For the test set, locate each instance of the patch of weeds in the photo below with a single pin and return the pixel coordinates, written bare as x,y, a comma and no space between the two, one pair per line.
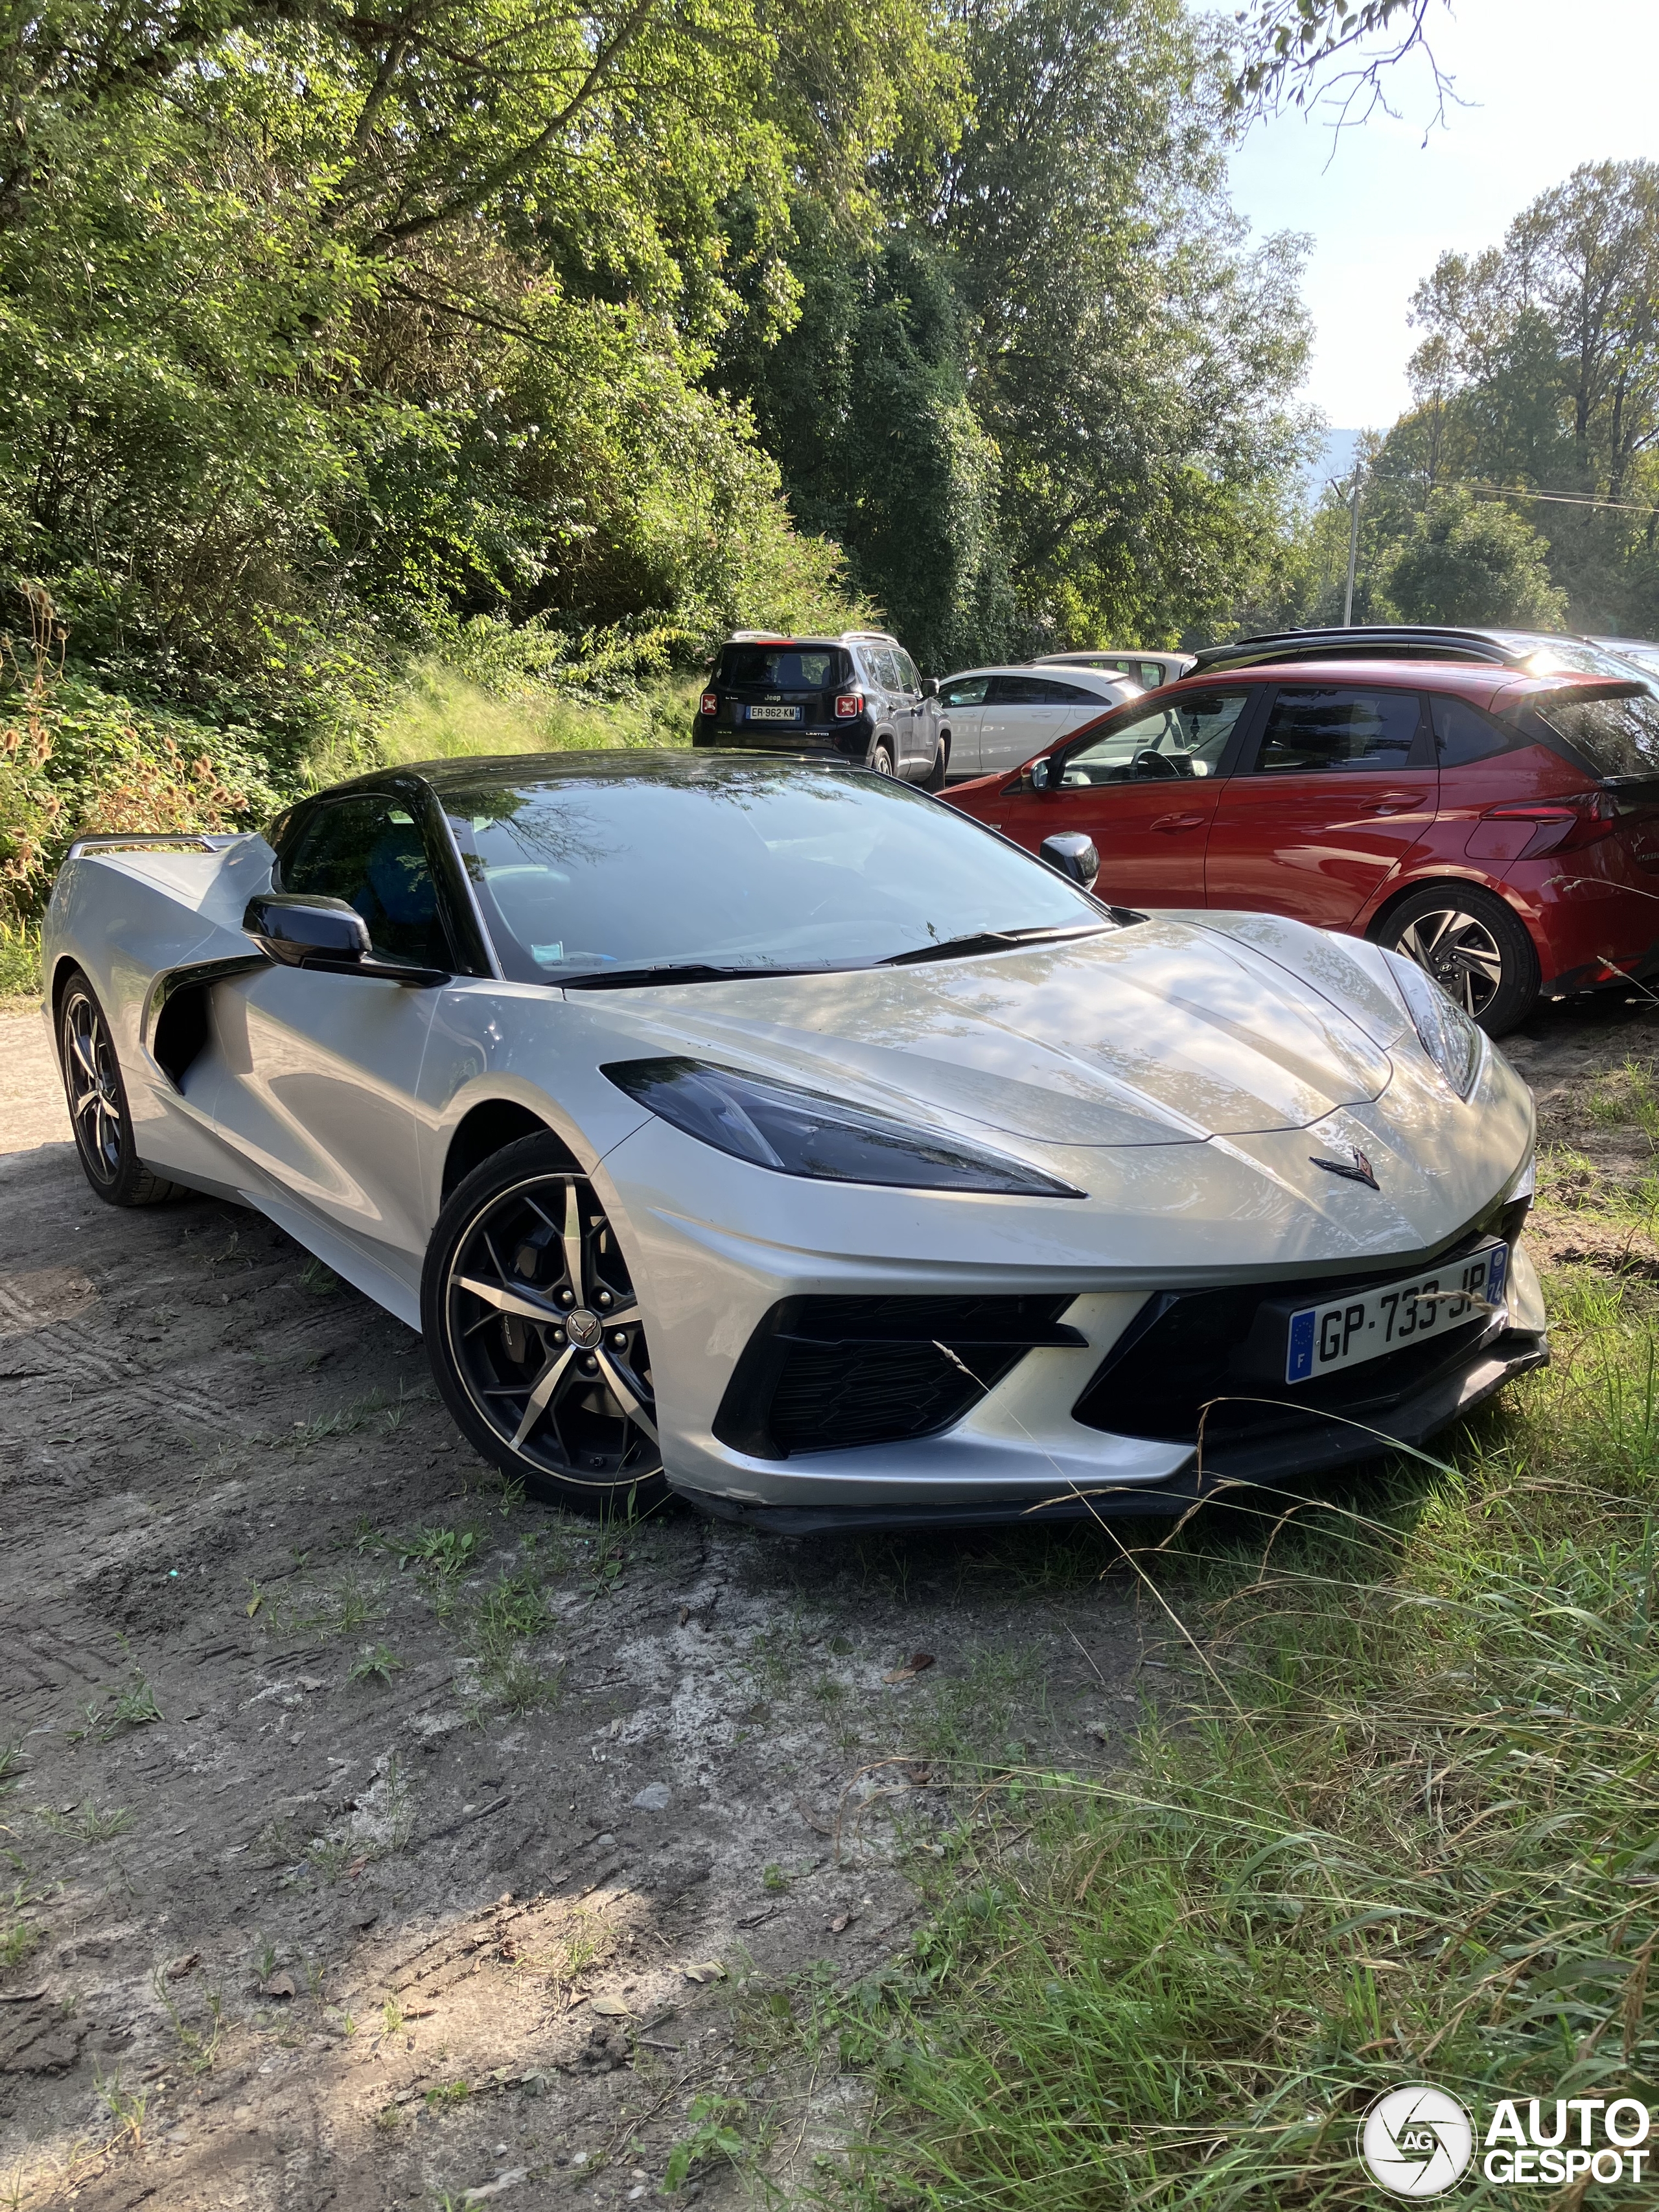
264,1959
85,1821
828,1690
388,2119
338,1609
18,1936
511,1614
519,1687
970,1719
393,2017
441,1557
105,1716
199,2047
319,1280
378,1664
343,1421
126,2107
840,1646
383,1822
715,2122
446,2095
11,1759
773,1877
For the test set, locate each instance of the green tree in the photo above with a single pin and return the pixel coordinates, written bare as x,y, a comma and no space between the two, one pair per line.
1473,561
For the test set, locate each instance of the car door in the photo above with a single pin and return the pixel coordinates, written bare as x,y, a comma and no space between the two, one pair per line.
961,704
1023,715
1145,789
1340,787
910,721
320,1069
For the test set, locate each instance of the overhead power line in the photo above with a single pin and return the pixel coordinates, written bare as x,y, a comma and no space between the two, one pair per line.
1557,498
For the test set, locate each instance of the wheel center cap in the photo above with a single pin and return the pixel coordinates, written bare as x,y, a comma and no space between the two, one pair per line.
583,1328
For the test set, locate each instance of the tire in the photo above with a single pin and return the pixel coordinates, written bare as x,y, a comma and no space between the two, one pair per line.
935,779
568,1410
1473,945
881,758
97,1098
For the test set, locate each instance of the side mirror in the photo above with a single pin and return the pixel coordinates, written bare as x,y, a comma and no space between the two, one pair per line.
1071,853
930,687
301,931
1039,773
290,927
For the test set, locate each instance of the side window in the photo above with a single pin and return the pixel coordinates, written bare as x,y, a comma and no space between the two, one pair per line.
1187,738
1463,733
908,679
1320,730
887,669
1151,674
1026,691
370,853
969,692
1075,695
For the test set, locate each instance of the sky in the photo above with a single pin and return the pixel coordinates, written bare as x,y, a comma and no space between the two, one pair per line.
1549,84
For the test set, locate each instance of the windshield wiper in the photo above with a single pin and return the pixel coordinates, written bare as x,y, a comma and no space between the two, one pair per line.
682,971
990,940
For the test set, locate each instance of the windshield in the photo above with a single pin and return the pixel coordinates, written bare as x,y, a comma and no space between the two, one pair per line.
1617,736
1187,738
1578,653
732,864
783,668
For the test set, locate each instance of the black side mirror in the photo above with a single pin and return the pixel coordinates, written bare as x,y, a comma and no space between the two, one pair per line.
290,927
930,687
301,931
1071,853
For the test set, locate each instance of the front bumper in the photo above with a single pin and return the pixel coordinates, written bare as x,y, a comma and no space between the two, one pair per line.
1316,1443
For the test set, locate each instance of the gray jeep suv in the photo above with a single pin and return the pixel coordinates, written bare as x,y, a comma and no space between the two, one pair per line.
857,696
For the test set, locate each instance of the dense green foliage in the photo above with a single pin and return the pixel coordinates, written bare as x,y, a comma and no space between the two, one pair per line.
331,341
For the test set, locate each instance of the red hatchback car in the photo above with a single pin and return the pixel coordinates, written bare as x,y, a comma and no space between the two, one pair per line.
1501,829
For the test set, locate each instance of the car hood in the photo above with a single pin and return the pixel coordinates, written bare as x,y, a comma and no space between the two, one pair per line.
1161,1033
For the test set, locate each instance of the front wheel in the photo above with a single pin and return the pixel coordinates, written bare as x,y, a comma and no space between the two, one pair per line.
98,1113
534,1332
1475,948
935,779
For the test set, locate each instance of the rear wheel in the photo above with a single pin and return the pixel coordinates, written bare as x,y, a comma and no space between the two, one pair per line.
881,760
1473,946
534,1332
98,1103
935,779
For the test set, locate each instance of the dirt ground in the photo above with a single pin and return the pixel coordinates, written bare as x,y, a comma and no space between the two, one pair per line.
375,1840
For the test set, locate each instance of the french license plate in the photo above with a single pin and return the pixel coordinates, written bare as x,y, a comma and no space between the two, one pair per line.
774,714
1372,1323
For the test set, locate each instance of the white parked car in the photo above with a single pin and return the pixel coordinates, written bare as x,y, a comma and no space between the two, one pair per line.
991,718
768,1131
1148,669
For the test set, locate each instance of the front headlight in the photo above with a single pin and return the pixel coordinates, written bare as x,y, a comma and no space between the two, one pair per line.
1449,1037
801,1132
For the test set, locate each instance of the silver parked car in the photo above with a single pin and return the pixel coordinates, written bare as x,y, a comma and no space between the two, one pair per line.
1146,668
768,1131
986,720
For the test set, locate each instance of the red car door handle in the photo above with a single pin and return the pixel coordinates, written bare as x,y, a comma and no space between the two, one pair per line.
1396,802
1178,821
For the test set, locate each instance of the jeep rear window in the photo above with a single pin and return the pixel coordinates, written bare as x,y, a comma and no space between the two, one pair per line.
783,668
1616,737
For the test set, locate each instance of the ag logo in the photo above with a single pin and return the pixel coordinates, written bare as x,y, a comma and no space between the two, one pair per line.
1416,2142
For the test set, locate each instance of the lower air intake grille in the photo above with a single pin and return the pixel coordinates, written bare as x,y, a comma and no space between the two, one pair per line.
830,1373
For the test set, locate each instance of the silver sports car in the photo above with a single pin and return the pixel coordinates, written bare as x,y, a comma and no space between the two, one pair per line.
774,1134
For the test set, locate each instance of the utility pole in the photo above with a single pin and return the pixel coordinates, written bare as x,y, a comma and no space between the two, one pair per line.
1353,548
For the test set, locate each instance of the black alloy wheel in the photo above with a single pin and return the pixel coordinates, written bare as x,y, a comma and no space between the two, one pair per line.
534,1332
98,1113
1475,948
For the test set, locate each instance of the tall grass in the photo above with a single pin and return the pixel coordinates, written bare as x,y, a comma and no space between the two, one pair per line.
1400,1823
442,714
